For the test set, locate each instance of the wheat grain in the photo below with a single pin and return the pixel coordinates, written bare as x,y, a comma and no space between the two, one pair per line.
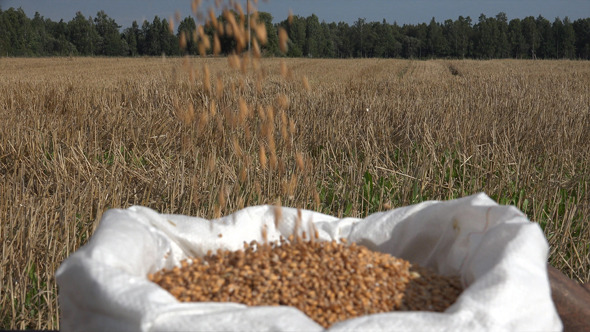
328,281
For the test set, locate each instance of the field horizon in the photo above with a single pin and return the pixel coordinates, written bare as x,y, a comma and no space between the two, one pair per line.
347,137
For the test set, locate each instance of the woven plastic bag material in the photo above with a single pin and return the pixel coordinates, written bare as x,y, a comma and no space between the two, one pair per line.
498,253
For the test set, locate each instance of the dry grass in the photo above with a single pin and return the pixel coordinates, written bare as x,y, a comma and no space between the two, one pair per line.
344,137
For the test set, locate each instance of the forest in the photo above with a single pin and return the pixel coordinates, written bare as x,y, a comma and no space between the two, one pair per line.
487,38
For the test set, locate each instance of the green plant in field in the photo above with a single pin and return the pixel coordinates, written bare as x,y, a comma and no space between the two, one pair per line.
369,198
377,194
333,201
106,158
33,301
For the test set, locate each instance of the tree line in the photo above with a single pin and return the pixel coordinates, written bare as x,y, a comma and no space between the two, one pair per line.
489,37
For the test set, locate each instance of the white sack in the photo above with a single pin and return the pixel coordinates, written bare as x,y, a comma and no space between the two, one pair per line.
500,256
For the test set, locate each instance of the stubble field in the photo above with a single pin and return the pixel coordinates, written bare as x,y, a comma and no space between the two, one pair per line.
344,137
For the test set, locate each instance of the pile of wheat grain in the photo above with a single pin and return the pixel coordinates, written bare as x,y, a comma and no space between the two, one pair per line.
328,281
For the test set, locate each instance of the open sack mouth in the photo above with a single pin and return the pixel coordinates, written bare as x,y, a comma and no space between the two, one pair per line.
494,251
329,281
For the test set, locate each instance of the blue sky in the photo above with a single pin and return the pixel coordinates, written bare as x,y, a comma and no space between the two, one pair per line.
402,11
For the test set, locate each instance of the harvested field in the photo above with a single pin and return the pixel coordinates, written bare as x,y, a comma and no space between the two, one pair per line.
344,137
